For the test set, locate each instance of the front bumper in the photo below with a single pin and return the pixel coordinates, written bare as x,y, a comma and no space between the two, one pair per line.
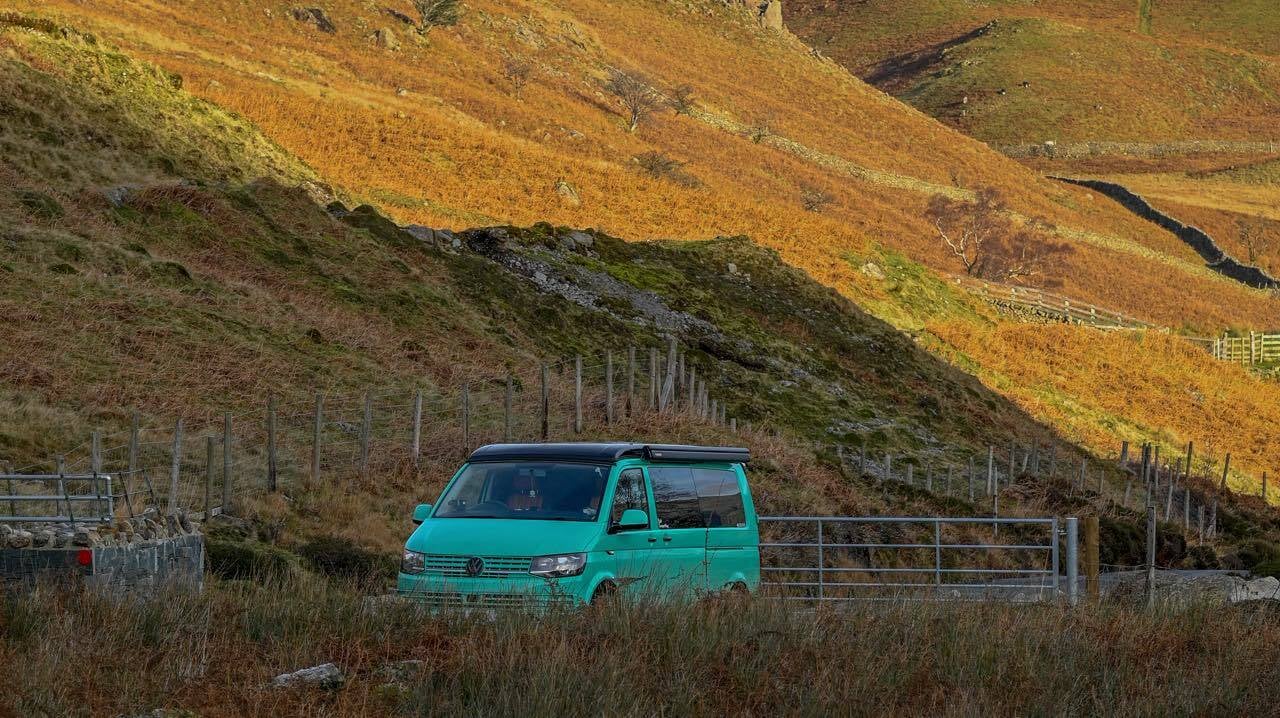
518,592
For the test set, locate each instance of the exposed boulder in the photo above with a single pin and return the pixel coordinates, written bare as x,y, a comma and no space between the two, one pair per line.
568,195
386,39
314,16
771,15
325,675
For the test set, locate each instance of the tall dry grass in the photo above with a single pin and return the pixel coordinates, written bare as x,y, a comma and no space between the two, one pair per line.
77,653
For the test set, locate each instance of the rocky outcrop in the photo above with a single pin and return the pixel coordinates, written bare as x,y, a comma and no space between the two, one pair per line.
771,15
314,16
1196,238
385,39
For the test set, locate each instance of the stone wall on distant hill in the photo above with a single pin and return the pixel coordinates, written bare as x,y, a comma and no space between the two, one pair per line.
1196,238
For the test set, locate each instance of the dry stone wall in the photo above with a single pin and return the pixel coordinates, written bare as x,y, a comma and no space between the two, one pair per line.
137,554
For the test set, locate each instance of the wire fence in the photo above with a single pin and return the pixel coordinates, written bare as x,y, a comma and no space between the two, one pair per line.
299,441
1252,349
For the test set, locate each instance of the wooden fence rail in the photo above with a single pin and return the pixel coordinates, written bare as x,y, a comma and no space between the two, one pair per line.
1254,349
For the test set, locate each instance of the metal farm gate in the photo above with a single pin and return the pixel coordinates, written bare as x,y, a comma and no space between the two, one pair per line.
894,558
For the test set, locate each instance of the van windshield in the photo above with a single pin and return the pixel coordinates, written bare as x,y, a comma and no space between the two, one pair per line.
546,491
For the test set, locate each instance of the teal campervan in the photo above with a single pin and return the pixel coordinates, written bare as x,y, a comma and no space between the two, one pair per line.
572,523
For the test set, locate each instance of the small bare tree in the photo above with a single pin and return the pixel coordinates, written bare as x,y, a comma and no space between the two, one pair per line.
517,70
433,13
815,199
635,93
1253,236
982,237
659,166
681,99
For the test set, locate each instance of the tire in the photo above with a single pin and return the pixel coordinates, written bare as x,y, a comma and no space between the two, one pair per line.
606,592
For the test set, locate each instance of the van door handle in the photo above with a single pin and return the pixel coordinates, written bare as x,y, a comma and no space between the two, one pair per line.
666,538
652,540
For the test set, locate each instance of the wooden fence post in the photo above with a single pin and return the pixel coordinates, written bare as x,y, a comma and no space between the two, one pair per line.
466,418
1151,556
546,402
971,471
366,430
667,398
135,430
888,466
1168,501
208,477
507,400
226,462
631,378
1226,466
1200,509
272,483
577,394
653,378
693,390
175,468
1186,507
95,452
733,424
1091,564
1190,451
416,442
317,426
608,388
991,469
1013,460
1124,454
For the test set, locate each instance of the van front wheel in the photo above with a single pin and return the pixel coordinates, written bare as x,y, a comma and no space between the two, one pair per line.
604,593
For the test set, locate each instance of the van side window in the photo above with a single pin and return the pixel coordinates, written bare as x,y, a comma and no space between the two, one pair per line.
675,497
719,498
630,494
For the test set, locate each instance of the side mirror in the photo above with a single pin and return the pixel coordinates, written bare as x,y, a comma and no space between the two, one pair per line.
632,519
421,513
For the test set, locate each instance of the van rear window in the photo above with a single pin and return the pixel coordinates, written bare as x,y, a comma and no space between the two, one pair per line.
719,498
697,498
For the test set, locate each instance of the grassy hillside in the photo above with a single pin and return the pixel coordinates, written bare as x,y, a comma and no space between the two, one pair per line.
194,290
453,143
1091,74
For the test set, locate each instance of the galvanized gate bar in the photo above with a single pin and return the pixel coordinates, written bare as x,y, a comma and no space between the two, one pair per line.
99,497
815,581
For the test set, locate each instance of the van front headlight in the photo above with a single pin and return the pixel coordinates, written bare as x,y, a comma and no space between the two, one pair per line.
559,566
413,562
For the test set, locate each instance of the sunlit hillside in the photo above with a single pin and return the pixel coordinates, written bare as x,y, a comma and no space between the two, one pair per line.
1028,72
439,131
436,132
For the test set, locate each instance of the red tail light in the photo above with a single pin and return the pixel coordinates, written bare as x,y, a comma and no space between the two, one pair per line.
84,557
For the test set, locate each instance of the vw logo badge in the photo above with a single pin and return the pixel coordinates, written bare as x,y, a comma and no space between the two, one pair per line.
475,566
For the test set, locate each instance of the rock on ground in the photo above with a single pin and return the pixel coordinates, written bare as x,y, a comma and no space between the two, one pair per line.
325,675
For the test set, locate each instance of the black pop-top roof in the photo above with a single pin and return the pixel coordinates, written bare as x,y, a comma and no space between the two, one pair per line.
609,453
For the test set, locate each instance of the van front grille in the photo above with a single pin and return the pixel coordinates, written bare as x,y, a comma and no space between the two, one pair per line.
494,566
488,600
